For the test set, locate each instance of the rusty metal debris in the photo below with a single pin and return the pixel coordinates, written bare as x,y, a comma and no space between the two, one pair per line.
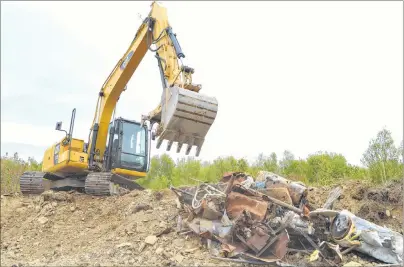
296,190
237,203
260,220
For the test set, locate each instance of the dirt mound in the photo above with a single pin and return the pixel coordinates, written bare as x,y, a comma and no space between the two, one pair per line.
139,228
76,229
382,204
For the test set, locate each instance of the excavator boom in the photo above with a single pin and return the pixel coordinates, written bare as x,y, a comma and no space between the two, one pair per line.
183,114
118,150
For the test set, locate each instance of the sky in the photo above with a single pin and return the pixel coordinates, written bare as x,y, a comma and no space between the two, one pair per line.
301,76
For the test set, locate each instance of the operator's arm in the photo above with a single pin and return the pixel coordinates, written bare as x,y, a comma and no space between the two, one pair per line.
155,29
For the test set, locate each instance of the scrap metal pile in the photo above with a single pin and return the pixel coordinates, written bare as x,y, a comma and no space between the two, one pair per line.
258,221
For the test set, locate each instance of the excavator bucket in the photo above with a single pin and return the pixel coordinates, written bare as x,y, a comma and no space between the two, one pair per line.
186,118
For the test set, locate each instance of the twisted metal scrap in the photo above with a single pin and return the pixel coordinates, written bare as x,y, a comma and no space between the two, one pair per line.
210,192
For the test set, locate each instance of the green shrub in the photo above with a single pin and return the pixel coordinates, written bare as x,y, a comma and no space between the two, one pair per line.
11,170
382,161
382,158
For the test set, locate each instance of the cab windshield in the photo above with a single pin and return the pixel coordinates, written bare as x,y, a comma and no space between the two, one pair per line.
133,146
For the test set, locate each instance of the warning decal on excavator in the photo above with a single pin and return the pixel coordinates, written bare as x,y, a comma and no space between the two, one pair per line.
56,154
125,62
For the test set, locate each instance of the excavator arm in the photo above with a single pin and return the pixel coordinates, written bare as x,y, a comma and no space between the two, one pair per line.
183,114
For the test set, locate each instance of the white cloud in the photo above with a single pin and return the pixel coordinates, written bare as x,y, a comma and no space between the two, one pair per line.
29,134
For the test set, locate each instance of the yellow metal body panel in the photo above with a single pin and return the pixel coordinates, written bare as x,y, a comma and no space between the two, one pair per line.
78,160
56,158
126,66
134,174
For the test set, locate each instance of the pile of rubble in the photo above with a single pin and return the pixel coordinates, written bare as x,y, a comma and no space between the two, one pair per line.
258,221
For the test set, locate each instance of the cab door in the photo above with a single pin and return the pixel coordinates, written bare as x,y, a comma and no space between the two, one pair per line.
111,157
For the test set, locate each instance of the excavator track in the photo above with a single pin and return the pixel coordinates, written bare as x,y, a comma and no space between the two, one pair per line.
31,183
108,184
99,184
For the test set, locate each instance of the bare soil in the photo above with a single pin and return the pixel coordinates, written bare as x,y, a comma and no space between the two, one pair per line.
73,229
382,205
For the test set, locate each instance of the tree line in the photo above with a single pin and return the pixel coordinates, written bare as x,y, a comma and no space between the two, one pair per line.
382,160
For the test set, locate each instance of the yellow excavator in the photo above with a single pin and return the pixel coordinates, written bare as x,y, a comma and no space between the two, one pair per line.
118,150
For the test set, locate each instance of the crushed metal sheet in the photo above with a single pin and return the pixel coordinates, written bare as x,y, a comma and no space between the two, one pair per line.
237,203
255,193
278,248
379,242
281,194
260,221
296,190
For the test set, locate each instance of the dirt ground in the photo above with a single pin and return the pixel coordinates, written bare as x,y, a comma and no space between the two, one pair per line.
72,229
382,205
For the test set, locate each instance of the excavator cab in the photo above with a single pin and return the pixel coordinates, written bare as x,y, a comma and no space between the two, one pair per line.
127,149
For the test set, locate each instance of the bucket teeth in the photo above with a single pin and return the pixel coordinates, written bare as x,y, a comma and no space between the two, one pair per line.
189,147
159,142
170,143
188,141
186,118
179,146
198,151
180,141
199,144
190,144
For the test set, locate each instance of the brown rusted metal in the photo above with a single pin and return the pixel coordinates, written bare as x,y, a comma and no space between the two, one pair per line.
270,199
233,178
246,210
280,247
228,175
257,242
237,203
296,189
227,249
229,185
236,176
306,211
295,197
275,249
272,240
281,194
